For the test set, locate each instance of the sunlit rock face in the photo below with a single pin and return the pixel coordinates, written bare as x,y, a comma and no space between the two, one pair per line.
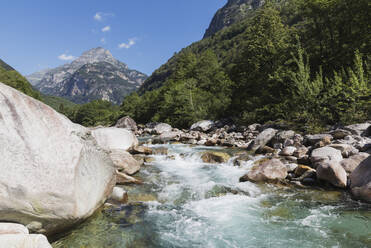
52,170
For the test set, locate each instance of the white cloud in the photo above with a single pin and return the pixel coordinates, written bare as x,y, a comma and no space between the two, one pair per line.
103,41
66,57
99,16
131,43
106,29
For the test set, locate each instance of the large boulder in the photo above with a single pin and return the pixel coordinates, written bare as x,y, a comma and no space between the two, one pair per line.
166,137
326,153
262,139
52,171
24,241
360,181
203,126
351,163
314,139
162,128
128,123
268,171
345,149
332,172
359,129
12,228
112,138
125,162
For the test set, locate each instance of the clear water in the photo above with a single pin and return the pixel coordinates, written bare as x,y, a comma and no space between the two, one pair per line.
187,203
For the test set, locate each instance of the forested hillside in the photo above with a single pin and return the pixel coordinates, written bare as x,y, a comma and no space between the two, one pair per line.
305,62
11,77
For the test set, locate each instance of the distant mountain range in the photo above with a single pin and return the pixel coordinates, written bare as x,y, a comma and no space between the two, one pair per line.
234,11
96,74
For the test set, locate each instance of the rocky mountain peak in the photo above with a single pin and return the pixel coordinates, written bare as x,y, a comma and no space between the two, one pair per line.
96,55
234,11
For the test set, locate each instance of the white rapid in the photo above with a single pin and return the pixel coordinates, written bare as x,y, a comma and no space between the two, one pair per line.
195,204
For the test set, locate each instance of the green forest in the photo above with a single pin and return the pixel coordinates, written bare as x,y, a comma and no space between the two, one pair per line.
306,63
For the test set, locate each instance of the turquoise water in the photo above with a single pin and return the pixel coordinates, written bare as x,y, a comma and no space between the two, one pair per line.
187,203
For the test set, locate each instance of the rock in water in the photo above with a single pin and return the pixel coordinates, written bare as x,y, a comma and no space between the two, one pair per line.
215,157
360,181
332,172
128,123
268,171
52,171
162,128
111,138
125,162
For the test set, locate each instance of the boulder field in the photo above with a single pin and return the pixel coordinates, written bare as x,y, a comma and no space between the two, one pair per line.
53,173
339,158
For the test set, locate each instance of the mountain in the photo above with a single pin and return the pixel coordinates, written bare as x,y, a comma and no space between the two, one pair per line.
289,60
95,75
234,11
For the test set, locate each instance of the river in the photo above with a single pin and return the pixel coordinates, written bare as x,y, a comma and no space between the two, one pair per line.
187,203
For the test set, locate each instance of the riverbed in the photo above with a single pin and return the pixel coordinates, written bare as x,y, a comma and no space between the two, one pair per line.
187,203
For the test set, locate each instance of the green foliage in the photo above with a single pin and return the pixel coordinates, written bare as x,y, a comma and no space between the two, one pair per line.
95,113
198,89
303,61
13,79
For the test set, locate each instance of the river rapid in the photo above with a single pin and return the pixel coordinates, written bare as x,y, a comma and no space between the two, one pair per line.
187,203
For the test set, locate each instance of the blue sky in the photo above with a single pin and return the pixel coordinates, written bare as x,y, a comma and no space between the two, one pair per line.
36,34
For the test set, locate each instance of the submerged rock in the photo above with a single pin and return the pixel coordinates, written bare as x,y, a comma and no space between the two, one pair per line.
52,171
215,157
269,171
360,181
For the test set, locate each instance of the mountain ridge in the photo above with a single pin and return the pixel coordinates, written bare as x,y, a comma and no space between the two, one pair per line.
110,79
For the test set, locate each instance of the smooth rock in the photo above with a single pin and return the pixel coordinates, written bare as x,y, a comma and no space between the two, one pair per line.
128,123
112,138
262,139
268,171
166,137
141,150
12,228
325,153
288,151
332,172
215,157
203,126
345,149
281,136
360,181
124,179
162,128
125,162
359,129
340,133
52,171
302,169
300,152
351,163
119,195
24,241
314,139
